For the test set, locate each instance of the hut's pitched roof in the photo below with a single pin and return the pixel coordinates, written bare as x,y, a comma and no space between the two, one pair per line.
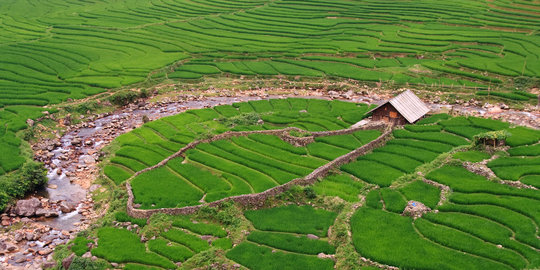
408,105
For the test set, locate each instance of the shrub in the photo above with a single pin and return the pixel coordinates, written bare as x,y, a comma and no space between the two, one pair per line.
491,137
310,193
80,245
80,263
29,178
4,200
124,97
244,119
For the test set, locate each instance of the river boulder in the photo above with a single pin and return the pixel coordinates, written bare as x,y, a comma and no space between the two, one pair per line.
27,208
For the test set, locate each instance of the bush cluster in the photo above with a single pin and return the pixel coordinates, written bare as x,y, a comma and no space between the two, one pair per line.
125,97
30,177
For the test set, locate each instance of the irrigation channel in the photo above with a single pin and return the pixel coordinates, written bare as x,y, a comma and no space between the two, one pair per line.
71,160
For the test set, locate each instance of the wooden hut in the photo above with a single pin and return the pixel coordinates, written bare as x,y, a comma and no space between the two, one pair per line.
405,108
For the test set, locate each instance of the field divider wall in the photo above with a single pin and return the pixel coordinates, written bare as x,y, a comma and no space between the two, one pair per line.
260,198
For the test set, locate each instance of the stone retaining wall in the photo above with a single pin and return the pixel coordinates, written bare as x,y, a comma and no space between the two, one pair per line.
258,199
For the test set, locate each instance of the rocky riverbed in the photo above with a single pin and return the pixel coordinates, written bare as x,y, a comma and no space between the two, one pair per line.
54,215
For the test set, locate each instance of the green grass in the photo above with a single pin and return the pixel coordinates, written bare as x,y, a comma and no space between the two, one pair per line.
522,136
433,118
123,246
191,241
199,227
222,243
117,174
445,138
124,217
161,188
262,258
532,150
373,172
394,241
176,253
393,200
80,245
292,218
464,242
472,156
291,242
342,186
461,180
421,192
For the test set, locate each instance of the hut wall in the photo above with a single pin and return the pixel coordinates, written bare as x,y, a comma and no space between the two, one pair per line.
389,114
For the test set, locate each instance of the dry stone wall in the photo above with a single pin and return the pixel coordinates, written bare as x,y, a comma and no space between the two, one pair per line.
258,199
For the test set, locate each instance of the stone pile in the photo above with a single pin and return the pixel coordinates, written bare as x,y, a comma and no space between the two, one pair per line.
415,209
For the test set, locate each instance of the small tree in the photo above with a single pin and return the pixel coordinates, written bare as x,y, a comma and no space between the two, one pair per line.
494,138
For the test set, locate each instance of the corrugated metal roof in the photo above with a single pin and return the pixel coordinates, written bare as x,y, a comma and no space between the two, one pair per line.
408,105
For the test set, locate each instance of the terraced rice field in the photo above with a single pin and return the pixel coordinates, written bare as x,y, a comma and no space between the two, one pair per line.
235,166
176,245
281,240
481,223
472,222
55,50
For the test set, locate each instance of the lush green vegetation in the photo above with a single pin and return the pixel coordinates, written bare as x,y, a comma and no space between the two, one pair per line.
254,256
176,239
235,166
55,51
475,223
121,246
292,218
472,156
18,184
280,241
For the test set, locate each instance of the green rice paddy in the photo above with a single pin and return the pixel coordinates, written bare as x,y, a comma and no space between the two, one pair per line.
472,222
